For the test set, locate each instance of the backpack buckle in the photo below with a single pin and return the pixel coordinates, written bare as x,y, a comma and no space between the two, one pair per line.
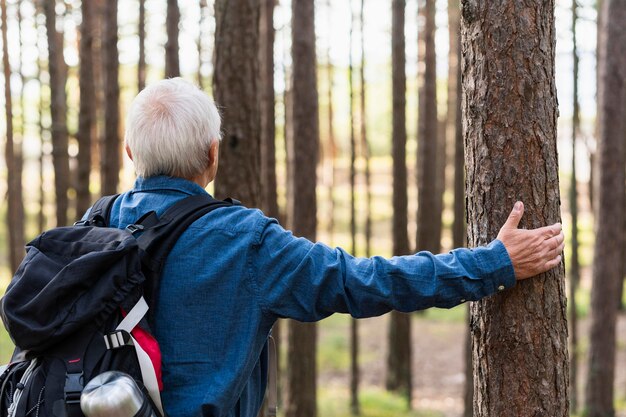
117,339
74,383
134,228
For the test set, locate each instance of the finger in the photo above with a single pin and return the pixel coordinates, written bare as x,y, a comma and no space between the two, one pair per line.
515,216
549,231
552,263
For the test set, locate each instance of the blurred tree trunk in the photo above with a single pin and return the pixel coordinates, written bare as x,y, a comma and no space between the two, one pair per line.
141,65
111,148
235,86
41,213
269,203
608,261
13,158
58,109
302,208
509,133
87,110
428,217
354,332
399,335
574,268
456,154
201,35
172,20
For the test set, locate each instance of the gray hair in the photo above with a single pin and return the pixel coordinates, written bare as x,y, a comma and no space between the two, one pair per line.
170,128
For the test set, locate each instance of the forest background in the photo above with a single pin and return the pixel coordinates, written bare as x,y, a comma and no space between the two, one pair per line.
354,173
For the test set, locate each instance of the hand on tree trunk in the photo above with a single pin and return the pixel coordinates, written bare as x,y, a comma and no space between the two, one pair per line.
532,252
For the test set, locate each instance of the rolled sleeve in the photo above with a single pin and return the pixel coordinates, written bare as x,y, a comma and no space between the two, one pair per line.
308,281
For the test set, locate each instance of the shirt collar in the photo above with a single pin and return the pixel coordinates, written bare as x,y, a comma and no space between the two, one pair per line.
164,182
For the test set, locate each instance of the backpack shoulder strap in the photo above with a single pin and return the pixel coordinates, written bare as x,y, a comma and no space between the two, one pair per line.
159,237
101,211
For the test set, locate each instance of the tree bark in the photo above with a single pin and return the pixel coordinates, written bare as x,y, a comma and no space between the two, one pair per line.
111,148
141,29
269,200
58,110
301,360
399,335
87,110
608,261
509,120
573,203
235,85
428,216
13,156
172,20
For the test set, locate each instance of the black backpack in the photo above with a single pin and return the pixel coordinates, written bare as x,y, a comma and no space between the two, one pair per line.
74,300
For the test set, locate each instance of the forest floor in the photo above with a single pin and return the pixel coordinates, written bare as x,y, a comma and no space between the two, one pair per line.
438,365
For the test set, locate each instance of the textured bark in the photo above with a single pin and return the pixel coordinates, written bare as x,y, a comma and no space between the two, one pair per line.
509,120
111,148
172,20
87,110
269,201
399,335
58,110
141,33
427,215
235,85
13,156
301,376
574,267
609,235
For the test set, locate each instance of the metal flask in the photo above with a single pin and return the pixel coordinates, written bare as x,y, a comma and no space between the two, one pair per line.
114,394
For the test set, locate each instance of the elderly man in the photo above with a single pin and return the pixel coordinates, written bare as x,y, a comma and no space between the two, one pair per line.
235,271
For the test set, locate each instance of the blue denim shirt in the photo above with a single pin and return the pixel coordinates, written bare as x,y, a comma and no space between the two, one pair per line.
235,271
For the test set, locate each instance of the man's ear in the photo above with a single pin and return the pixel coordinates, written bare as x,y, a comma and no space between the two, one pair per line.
128,152
214,154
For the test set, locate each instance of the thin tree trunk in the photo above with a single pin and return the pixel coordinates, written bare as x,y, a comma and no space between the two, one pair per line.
15,214
608,261
301,360
573,203
427,213
399,335
58,109
41,215
331,138
235,85
509,133
87,111
201,35
112,147
269,203
141,65
172,20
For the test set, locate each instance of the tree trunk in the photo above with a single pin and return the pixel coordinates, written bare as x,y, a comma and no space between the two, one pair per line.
201,35
399,334
509,120
269,203
301,365
172,20
608,261
87,111
58,110
235,85
141,65
573,203
111,148
41,213
427,215
13,156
